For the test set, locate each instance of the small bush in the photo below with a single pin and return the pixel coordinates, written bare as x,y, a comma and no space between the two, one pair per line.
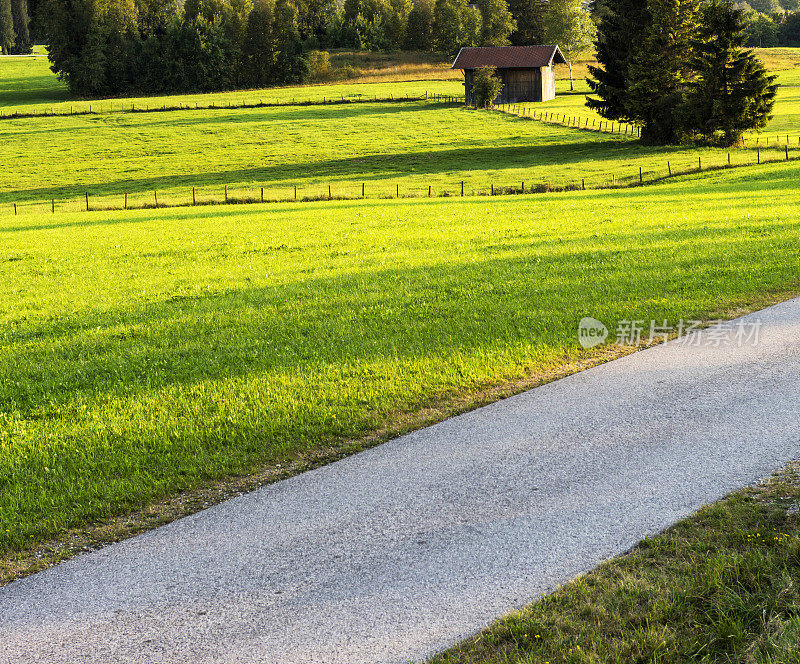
486,86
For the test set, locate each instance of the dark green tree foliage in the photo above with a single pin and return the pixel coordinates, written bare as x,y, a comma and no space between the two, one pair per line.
21,23
455,25
259,45
529,17
659,68
419,32
790,30
686,74
291,65
108,47
733,92
623,27
486,86
497,23
7,39
315,18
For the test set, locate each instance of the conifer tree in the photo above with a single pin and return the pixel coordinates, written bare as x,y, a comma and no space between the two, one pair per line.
21,21
659,69
733,92
623,27
6,27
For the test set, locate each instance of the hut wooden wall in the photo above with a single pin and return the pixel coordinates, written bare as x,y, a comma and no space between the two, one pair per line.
531,84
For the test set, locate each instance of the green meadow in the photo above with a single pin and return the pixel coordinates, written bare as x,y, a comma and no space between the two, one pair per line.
151,351
382,149
385,149
146,352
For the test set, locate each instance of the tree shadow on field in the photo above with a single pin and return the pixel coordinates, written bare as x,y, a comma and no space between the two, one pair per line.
521,289
500,154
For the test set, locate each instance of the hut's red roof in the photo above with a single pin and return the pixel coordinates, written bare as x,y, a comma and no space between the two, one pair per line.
507,57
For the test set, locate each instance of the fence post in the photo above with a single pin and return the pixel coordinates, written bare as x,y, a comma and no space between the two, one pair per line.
640,175
729,159
262,194
295,192
583,184
669,168
429,191
126,200
787,152
87,201
397,191
15,209
363,189
53,205
758,154
699,164
329,193
155,197
194,198
226,193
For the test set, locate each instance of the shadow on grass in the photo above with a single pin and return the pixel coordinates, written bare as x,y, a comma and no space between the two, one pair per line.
528,289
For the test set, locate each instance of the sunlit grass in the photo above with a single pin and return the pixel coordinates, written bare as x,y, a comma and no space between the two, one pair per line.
142,353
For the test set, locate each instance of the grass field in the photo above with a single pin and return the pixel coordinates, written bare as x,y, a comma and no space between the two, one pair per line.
719,587
145,352
388,148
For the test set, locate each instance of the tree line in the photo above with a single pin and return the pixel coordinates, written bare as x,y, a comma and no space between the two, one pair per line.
113,47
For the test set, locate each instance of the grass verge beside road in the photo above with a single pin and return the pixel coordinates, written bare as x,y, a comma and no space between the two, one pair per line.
721,586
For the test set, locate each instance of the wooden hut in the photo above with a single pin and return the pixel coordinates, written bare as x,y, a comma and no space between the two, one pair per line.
526,71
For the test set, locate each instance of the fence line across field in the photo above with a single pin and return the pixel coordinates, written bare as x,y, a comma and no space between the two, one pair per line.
361,190
100,108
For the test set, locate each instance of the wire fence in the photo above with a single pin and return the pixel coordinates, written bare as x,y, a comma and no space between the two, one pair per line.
382,190
575,121
111,106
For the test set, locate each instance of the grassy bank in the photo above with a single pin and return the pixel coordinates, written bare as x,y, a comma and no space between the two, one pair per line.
721,586
146,352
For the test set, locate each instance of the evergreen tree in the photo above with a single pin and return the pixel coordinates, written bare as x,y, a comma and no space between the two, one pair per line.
529,16
497,23
733,92
419,31
7,40
569,26
291,65
21,22
622,28
258,50
659,69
